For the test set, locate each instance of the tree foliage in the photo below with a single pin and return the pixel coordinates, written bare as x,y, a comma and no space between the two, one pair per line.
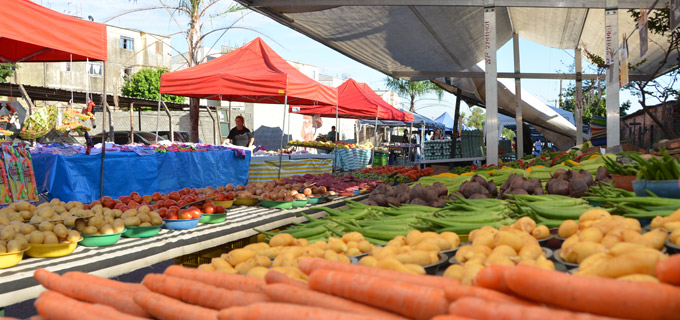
594,101
146,84
6,71
475,119
413,89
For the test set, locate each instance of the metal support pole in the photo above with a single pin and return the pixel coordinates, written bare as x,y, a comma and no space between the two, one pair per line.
375,134
139,120
337,131
132,126
612,44
285,106
519,145
104,111
491,81
454,137
167,111
212,116
579,98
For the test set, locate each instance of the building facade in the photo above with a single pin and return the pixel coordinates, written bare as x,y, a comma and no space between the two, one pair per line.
639,129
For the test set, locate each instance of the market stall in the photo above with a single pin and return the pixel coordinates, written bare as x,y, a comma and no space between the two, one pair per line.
72,177
355,101
266,168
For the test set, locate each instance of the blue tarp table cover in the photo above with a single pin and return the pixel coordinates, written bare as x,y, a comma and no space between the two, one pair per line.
77,178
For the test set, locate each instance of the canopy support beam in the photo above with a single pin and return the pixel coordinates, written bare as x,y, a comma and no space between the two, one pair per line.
519,145
596,4
491,83
579,98
612,44
454,137
506,75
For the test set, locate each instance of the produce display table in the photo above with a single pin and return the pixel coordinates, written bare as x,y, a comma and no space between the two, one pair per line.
77,178
422,162
353,159
130,254
263,169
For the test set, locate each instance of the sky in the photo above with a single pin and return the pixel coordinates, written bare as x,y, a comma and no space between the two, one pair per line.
293,46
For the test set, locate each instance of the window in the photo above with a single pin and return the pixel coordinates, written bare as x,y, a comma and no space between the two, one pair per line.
66,66
94,68
159,47
127,43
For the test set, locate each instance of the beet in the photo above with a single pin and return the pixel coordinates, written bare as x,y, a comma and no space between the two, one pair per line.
538,191
603,175
380,189
535,183
390,192
403,197
480,180
402,188
558,174
370,202
492,189
441,188
417,192
517,184
419,201
560,187
478,196
431,195
511,178
379,199
472,188
578,188
393,201
587,177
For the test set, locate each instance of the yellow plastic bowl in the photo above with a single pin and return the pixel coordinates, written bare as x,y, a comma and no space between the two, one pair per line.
11,259
51,250
224,204
246,201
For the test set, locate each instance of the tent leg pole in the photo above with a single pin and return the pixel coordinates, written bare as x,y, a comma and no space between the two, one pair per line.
375,137
612,43
104,110
172,133
454,135
518,100
132,122
212,117
491,82
285,106
579,98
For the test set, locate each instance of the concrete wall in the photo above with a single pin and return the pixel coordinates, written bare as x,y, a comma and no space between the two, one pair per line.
146,53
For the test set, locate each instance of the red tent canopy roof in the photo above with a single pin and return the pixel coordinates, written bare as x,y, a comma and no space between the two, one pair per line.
356,100
30,32
251,73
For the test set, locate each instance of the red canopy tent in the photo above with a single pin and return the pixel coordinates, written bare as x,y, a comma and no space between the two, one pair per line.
251,73
33,33
356,100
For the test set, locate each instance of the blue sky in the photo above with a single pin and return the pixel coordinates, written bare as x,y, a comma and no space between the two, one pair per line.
294,46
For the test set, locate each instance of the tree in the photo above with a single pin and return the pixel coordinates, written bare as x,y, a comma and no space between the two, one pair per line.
199,16
146,84
476,118
508,133
6,71
413,89
653,88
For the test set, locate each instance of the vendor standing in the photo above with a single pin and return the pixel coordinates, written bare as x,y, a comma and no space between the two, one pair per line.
332,135
240,135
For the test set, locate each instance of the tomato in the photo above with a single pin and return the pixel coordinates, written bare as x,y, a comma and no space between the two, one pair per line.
172,216
124,199
230,196
169,203
155,196
133,204
174,195
110,204
181,203
137,198
185,215
162,212
105,199
194,212
209,208
220,209
147,198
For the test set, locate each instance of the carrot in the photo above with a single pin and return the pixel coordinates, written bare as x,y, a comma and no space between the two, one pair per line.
278,311
493,277
54,305
451,317
410,300
218,279
38,317
668,271
164,308
198,293
273,276
289,294
310,265
119,300
92,279
457,292
602,296
486,310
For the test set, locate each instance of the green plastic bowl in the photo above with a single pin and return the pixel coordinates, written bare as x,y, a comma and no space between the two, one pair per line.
300,203
213,218
100,240
276,204
141,232
314,200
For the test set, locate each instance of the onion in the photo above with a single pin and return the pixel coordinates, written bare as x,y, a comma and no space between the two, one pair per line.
240,188
307,192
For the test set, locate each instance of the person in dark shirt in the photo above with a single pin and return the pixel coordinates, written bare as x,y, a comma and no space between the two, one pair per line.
240,135
332,135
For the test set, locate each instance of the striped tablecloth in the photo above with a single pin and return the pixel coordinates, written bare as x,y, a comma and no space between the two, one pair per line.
130,254
267,168
353,159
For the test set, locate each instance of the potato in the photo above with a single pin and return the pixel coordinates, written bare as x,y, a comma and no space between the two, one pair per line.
13,246
427,246
3,249
80,225
484,238
218,263
470,272
544,263
414,268
22,241
505,250
531,252
257,247
263,261
529,240
610,240
352,236
26,215
258,272
7,233
591,234
540,232
657,222
337,245
399,241
237,256
384,252
581,250
315,252
73,236
132,221
675,236
640,261
90,230
51,239
368,261
451,238
635,237
207,267
60,230
412,236
106,229
145,224
293,273
22,206
463,254
244,267
156,221
281,240
499,259
639,277
454,271
144,209
108,220
418,257
59,209
656,238
96,221
586,266
525,224
4,221
353,252
36,237
301,242
394,265
508,238
594,214
144,217
442,243
344,259
331,255
570,242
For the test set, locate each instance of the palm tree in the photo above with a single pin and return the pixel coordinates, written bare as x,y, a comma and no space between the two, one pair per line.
413,89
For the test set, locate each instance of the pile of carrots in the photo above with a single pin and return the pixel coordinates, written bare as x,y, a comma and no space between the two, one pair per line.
341,291
410,172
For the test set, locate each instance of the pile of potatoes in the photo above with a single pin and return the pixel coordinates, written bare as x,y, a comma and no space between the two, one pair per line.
141,217
508,246
528,225
283,252
411,253
17,236
670,223
612,246
54,211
